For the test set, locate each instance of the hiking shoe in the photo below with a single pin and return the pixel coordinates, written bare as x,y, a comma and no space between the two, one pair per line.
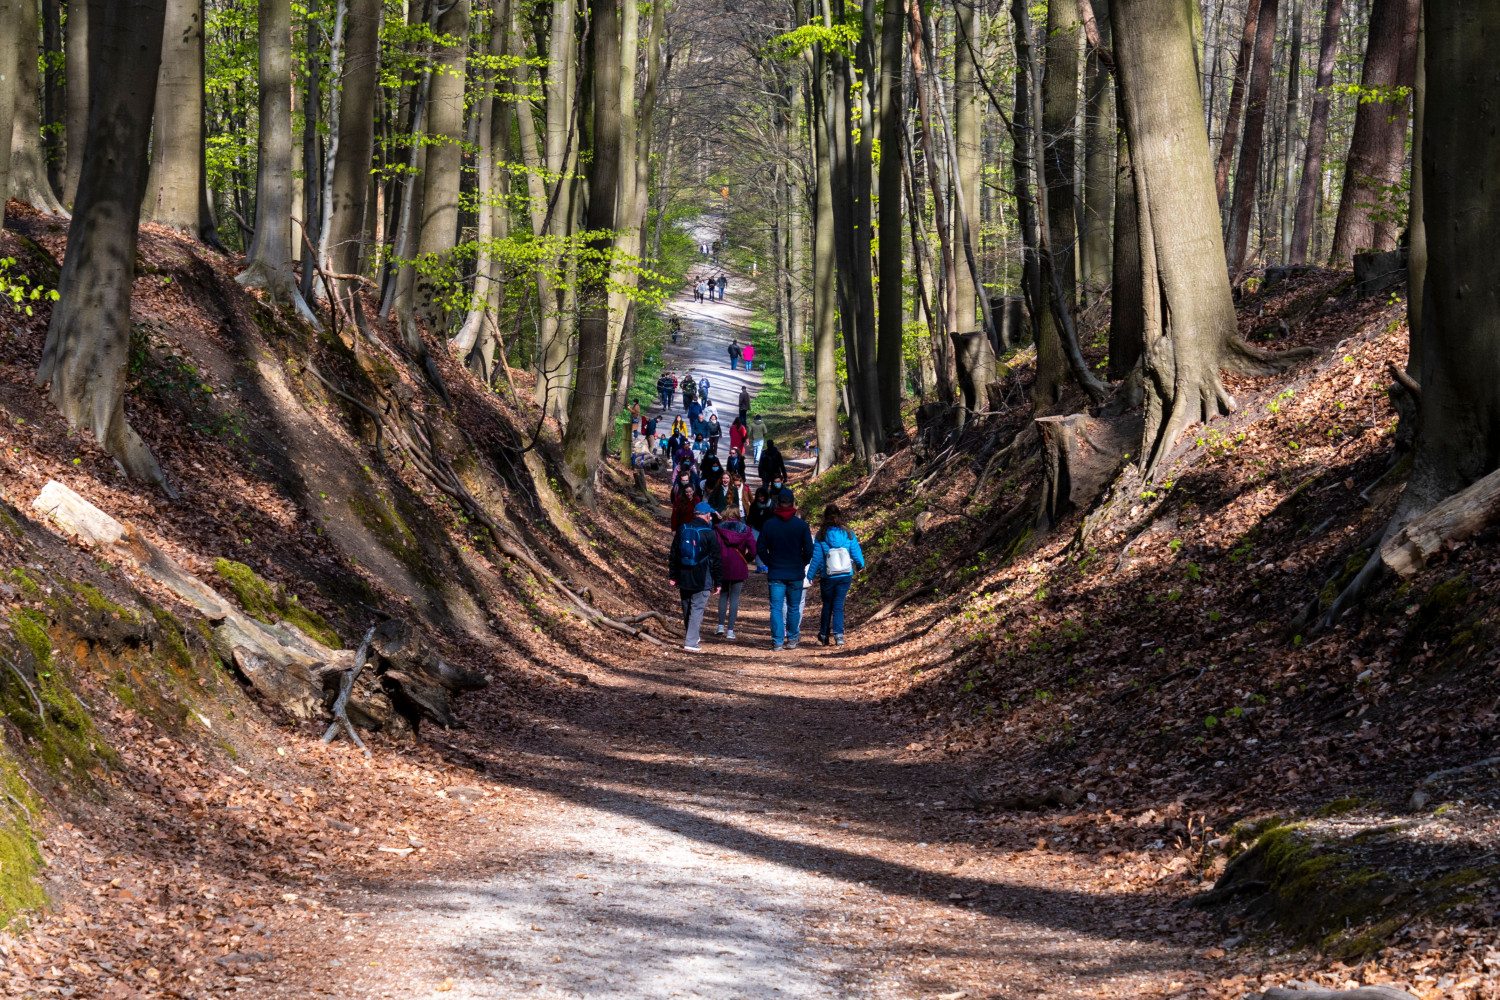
777,647
792,643
692,649
823,640
730,635
719,630
838,640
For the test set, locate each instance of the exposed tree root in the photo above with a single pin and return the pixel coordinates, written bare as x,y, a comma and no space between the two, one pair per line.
346,687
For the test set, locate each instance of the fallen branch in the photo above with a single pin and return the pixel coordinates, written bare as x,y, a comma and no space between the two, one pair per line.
346,687
1453,771
1406,381
1457,518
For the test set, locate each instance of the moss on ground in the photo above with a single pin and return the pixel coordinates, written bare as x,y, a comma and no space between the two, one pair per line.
269,603
63,737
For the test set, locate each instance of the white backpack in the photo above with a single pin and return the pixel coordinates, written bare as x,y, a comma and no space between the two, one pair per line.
839,562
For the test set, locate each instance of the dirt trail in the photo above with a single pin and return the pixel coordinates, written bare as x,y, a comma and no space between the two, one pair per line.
736,825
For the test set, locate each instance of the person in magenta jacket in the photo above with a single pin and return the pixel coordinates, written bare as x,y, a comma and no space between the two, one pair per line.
748,353
737,544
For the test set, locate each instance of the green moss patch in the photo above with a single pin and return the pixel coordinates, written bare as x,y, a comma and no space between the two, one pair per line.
270,603
63,736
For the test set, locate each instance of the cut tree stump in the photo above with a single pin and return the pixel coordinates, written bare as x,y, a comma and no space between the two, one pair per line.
1457,518
1083,455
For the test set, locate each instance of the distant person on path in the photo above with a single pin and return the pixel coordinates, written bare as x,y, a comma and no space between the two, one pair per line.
711,470
689,390
737,549
722,282
684,496
739,497
745,399
697,566
786,546
713,433
703,388
748,354
772,467
836,555
757,436
694,415
700,447
666,386
738,434
735,466
734,354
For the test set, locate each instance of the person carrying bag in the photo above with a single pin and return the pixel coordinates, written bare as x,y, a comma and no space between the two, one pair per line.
737,544
695,569
836,554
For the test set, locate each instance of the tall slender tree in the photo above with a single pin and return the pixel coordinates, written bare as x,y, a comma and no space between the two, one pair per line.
29,181
76,94
10,38
1058,152
1095,244
1256,107
178,178
356,137
1317,130
892,326
1229,141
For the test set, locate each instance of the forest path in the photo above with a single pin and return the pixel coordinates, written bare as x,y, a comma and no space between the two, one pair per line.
742,825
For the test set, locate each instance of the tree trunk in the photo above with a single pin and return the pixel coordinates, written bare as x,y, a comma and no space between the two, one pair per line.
796,294
28,157
76,88
1236,102
966,150
1024,172
825,285
1416,266
1317,131
1098,170
947,312
441,177
270,259
1377,151
1248,174
1293,110
1059,109
555,353
88,339
177,175
1127,333
1189,318
892,293
312,164
10,38
356,138
1459,439
585,431
53,136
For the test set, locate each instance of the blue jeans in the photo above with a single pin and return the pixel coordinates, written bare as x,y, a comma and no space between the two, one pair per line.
734,364
786,610
834,591
758,445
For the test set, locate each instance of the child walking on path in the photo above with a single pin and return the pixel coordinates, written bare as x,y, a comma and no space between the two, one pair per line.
835,556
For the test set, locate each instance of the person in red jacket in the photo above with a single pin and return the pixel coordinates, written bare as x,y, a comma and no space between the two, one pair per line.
738,433
737,546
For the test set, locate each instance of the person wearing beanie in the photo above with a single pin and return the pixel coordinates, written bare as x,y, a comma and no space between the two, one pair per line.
786,547
696,570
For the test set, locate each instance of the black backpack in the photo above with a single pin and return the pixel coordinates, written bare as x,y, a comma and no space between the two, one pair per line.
692,550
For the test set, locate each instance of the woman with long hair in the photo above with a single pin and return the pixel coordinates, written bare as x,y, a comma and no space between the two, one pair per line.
836,554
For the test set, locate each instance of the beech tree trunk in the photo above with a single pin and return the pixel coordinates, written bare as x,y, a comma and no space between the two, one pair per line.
1059,110
554,335
825,289
1458,442
967,154
269,266
53,102
1230,138
1377,150
1127,334
1246,178
797,202
28,157
1416,265
178,171
76,95
308,232
1025,172
947,309
1293,110
585,432
892,293
10,35
1189,318
1098,170
356,132
87,352
1317,131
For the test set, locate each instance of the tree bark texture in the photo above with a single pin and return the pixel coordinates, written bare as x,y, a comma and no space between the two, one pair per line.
269,266
356,131
1416,263
177,177
825,284
442,173
53,99
1127,312
76,94
892,293
28,157
585,432
1059,153
1230,138
1317,131
10,36
1098,170
1459,439
1368,219
1024,170
947,310
87,352
1293,112
966,149
1189,317
555,331
1256,106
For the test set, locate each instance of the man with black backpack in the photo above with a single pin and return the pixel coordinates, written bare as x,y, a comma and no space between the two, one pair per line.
696,570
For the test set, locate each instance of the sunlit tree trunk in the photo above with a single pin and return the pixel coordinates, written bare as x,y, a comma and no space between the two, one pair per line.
1317,131
28,157
825,287
1059,109
1098,167
177,179
891,316
555,334
10,36
1229,141
1257,104
350,190
967,153
86,356
76,95
1377,150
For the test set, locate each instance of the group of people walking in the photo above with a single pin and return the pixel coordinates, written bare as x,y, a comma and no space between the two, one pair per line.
741,352
713,554
704,288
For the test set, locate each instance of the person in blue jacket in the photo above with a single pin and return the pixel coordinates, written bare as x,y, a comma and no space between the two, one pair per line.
836,556
785,546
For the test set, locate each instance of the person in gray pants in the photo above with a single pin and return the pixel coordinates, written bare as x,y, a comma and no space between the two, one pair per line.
696,570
